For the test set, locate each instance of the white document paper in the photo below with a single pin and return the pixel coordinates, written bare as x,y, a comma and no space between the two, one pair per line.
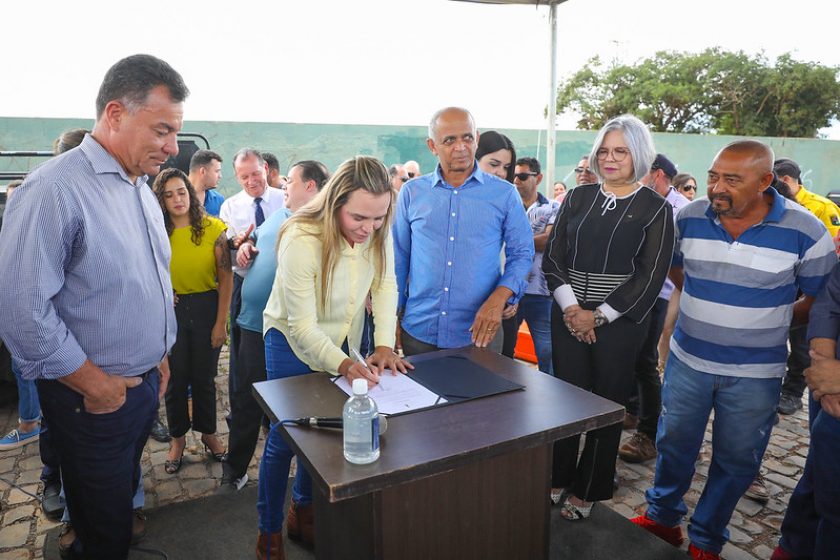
396,393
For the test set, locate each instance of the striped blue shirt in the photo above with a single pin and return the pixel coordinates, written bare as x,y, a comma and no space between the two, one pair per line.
738,295
447,242
84,273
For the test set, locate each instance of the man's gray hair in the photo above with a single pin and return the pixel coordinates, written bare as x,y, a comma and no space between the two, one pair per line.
438,113
638,139
245,153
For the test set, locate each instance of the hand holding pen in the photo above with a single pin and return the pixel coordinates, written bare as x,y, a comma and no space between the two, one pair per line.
359,368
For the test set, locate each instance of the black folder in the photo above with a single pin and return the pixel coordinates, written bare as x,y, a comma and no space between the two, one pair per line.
457,379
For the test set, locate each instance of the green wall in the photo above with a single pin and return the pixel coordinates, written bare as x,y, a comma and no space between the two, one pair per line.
333,143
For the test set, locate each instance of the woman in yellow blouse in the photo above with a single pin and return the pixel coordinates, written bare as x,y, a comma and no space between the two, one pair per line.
330,254
203,281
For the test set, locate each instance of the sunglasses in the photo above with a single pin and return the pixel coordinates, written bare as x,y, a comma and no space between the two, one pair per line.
689,187
582,170
404,179
411,175
525,176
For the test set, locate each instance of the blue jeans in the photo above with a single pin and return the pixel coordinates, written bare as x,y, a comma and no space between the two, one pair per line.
812,520
280,362
29,408
536,311
744,412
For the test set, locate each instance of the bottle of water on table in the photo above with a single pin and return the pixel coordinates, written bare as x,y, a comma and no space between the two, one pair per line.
361,426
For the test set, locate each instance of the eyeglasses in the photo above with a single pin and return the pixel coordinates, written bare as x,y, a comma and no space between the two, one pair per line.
582,170
525,176
689,187
618,154
411,175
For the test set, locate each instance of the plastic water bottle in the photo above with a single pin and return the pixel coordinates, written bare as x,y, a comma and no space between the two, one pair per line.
361,426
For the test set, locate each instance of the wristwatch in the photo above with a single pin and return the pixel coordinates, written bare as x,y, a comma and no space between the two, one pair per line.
600,318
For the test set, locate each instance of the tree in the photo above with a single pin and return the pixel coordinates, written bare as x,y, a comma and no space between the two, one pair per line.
711,91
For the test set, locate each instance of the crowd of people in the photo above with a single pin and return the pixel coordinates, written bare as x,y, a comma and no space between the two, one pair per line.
633,285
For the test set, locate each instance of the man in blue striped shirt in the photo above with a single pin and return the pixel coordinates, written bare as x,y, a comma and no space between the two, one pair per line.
448,233
741,255
87,299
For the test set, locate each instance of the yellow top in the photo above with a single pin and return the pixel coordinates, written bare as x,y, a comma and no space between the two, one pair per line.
293,307
822,208
193,267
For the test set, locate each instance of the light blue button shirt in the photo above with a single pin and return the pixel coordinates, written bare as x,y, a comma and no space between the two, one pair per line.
256,288
447,242
84,270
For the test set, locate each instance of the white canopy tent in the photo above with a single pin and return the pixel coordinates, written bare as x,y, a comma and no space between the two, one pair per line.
552,99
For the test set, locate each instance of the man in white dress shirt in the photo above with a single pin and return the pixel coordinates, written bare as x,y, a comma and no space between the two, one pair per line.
243,212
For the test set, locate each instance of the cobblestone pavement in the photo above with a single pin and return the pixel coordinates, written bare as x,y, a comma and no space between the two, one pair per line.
754,529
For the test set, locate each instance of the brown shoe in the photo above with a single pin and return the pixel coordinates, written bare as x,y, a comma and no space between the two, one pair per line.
630,421
66,538
758,490
270,546
138,526
638,449
300,525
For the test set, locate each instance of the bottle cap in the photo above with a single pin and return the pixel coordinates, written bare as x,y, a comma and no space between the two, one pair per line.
360,386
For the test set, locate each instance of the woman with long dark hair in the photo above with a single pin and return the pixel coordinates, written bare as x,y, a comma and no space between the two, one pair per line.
203,281
496,155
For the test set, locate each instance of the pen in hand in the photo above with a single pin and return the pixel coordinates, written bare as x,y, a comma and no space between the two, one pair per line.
363,363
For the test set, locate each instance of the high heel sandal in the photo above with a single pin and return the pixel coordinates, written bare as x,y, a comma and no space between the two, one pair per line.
171,466
220,456
571,512
558,495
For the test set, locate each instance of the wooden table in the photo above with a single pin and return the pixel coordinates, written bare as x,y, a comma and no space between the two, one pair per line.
468,480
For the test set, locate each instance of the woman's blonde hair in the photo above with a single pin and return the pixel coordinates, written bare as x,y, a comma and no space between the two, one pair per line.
361,172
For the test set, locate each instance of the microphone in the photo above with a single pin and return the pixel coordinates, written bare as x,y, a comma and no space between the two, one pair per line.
334,422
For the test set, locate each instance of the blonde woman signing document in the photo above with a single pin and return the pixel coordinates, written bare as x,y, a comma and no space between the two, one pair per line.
330,254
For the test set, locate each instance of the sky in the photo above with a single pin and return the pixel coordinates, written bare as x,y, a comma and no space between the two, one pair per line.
390,62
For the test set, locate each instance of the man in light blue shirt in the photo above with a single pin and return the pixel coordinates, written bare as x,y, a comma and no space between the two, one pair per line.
448,232
88,303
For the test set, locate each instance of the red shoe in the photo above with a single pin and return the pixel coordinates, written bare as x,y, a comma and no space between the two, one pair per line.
697,554
781,554
671,535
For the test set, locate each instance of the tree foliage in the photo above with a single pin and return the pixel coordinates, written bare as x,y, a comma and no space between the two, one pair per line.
709,92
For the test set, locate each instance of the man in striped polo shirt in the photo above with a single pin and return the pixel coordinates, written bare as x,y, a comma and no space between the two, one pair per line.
740,257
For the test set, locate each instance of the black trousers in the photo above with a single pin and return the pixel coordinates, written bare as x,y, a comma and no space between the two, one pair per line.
798,361
646,399
193,362
246,414
100,462
235,330
605,368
